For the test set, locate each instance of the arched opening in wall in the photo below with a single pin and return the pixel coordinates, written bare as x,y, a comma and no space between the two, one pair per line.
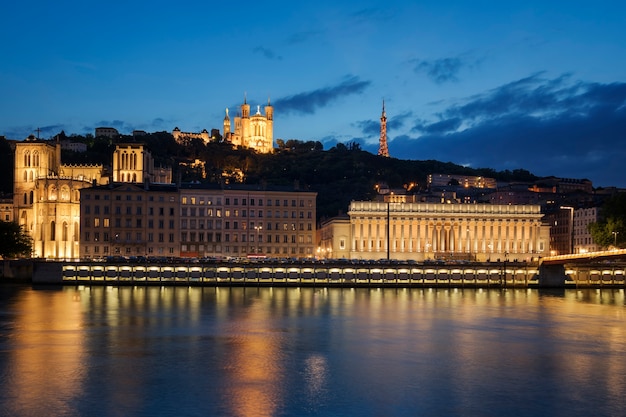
31,176
27,159
31,197
36,158
76,230
64,236
134,177
52,230
25,198
23,219
52,192
65,193
41,232
25,176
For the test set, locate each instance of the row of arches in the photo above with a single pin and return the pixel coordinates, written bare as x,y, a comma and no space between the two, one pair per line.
53,193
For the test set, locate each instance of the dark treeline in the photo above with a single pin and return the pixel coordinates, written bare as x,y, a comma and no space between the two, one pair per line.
339,175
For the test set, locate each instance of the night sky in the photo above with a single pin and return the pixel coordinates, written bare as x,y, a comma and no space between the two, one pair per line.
535,85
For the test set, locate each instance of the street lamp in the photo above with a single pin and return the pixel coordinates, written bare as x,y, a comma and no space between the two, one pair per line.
615,238
258,237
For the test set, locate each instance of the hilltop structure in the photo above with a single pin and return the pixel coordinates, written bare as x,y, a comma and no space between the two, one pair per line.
253,132
383,150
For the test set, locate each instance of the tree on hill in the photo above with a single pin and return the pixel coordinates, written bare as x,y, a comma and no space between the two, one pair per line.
611,229
14,241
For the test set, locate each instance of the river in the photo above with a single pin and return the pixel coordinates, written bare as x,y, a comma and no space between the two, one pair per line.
179,351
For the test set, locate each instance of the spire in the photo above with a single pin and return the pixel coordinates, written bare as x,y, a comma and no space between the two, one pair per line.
382,146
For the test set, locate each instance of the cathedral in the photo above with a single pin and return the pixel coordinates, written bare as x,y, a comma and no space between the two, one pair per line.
46,192
46,197
254,132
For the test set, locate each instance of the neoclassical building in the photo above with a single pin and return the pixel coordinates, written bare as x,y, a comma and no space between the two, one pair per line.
46,198
254,132
400,228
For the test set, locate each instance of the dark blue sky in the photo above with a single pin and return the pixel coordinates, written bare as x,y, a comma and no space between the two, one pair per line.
535,85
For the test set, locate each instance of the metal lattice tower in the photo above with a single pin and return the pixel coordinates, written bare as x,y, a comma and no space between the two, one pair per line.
382,147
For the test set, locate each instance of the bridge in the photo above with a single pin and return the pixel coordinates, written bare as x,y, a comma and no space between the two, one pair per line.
607,255
589,268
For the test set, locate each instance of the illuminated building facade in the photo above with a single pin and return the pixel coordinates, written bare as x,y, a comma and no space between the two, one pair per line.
583,217
180,137
442,180
407,230
123,219
6,209
241,220
46,197
134,163
254,132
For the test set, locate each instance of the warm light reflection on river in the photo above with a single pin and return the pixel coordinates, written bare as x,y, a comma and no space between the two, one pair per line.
106,351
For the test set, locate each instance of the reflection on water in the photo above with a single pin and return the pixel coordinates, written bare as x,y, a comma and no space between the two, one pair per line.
286,351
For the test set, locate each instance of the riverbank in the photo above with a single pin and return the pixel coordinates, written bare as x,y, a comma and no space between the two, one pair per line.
314,274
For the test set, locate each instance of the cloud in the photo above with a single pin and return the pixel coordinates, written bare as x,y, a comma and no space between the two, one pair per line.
302,37
552,126
267,53
43,132
372,127
308,102
370,15
443,70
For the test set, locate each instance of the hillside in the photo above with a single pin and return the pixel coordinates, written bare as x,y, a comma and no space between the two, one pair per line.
339,175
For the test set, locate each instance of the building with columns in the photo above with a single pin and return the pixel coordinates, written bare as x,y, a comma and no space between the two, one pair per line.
400,228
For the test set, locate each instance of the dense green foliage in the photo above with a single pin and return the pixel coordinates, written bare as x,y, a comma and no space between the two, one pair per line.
6,167
611,229
14,241
339,175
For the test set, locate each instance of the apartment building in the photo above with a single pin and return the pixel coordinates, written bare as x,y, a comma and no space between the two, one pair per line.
122,219
244,221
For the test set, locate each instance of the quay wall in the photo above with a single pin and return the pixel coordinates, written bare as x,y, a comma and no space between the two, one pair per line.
477,275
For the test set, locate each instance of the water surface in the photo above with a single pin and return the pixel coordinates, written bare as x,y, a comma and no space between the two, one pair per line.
165,351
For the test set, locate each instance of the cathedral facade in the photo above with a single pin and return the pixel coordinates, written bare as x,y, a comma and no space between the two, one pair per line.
46,197
253,132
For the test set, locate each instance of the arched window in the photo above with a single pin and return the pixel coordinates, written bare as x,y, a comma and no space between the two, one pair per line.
25,176
36,158
25,199
52,192
27,158
52,230
31,197
64,237
134,177
30,176
76,231
65,193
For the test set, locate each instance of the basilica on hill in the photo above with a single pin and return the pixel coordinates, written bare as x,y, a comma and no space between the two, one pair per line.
244,130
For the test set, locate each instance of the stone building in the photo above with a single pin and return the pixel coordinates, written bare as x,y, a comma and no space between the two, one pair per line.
124,219
403,229
46,197
254,132
245,220
583,217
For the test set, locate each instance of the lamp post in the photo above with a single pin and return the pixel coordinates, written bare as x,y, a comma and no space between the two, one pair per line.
258,238
615,238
